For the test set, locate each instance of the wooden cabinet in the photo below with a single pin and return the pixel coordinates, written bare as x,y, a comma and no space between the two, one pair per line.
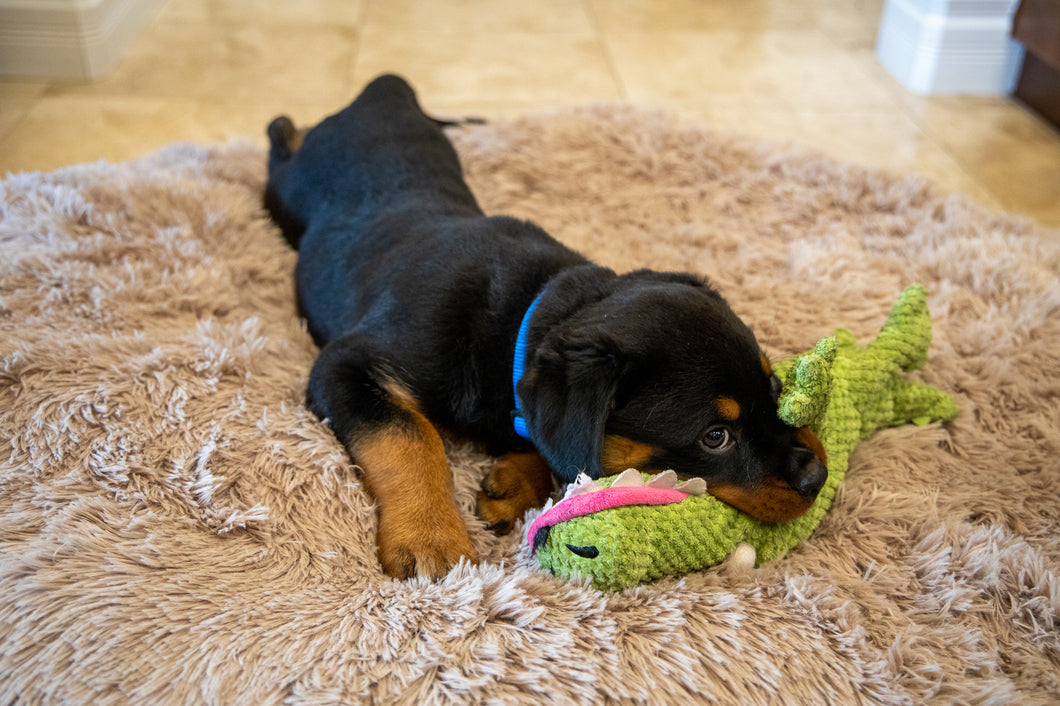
1037,27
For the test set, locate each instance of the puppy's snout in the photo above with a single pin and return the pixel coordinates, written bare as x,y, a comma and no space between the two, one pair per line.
808,465
811,478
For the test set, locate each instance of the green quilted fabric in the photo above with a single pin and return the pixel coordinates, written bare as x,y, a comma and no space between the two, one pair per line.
843,391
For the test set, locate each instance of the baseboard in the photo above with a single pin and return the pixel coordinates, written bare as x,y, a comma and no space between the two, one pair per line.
1039,88
950,46
71,39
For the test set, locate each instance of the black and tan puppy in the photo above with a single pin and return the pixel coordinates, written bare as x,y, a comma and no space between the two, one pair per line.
417,300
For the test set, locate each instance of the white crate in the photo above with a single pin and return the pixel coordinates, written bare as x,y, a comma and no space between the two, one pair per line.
78,39
950,46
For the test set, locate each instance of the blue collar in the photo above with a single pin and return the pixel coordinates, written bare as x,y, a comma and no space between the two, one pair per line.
518,366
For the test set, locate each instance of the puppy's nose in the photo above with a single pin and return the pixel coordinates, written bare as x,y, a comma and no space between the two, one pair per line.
811,479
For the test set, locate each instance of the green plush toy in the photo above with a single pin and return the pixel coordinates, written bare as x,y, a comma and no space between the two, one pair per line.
632,528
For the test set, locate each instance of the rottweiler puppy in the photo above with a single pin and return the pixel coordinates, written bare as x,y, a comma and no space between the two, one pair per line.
419,302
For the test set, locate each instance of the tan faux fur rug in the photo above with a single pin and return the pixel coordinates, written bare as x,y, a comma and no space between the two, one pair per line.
176,528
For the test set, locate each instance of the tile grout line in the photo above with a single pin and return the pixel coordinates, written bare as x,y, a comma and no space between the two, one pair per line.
605,49
358,45
904,109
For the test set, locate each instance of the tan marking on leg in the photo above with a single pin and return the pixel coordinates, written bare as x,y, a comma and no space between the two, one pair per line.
406,471
516,483
621,453
728,408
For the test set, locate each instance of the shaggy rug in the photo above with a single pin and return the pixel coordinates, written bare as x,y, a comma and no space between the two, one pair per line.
175,527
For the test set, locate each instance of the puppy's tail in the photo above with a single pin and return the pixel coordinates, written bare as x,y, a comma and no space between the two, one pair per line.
284,141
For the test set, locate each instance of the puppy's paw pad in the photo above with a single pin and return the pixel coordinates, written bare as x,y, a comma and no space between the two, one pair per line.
500,515
434,561
504,480
504,497
398,562
497,517
419,548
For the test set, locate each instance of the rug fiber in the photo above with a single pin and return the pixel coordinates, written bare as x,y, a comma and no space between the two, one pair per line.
175,527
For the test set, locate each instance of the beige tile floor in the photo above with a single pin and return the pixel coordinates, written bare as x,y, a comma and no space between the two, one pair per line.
790,71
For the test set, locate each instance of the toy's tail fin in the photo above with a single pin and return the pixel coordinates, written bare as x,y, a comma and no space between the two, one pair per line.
907,333
923,404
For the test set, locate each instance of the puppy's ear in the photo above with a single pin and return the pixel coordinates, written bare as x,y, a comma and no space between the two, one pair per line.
567,394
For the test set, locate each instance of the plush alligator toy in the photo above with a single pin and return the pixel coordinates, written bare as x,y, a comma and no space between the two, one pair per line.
633,528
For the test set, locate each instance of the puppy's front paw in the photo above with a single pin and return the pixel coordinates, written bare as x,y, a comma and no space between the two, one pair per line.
515,484
410,544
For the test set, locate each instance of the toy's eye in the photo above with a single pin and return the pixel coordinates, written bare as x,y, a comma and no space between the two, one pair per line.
775,387
717,439
589,552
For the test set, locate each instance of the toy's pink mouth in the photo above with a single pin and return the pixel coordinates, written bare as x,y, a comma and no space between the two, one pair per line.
605,499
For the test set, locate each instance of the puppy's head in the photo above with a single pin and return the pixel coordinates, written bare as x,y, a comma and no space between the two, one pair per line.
656,372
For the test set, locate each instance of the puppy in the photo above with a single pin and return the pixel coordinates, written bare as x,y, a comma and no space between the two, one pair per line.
423,307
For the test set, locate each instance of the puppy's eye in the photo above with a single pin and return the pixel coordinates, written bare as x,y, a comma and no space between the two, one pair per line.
717,439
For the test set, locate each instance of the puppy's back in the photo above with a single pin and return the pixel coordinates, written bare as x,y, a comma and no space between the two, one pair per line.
375,155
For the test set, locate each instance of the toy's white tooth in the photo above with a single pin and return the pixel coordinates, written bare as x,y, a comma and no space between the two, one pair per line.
666,479
581,485
692,486
628,478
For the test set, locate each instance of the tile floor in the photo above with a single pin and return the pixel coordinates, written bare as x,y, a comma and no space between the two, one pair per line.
798,71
